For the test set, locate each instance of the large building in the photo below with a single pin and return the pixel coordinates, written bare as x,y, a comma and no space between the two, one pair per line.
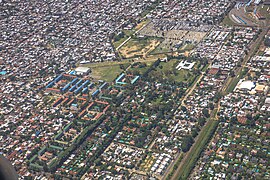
81,71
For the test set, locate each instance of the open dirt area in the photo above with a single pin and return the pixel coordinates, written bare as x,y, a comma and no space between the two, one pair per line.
137,47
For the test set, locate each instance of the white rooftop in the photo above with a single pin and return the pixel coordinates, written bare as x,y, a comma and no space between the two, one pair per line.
82,69
246,85
185,65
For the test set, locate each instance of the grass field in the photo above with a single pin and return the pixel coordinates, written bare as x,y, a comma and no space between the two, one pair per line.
232,85
161,49
235,80
227,21
167,69
118,43
141,70
109,70
127,34
104,64
106,73
195,152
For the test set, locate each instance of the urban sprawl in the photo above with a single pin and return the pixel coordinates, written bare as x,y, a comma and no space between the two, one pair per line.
95,89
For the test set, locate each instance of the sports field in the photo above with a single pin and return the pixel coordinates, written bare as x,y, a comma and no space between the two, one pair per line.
107,71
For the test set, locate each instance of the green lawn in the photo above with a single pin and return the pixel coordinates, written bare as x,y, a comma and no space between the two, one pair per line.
227,21
260,53
201,143
141,70
235,80
183,75
106,73
105,64
205,68
118,43
139,43
127,34
232,85
160,50
167,68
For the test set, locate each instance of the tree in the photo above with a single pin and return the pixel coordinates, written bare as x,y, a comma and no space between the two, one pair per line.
187,143
97,162
183,108
201,121
249,116
267,41
122,66
217,97
206,112
234,119
194,133
232,74
211,106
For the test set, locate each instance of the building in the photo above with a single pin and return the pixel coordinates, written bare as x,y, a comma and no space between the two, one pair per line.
185,65
245,86
81,71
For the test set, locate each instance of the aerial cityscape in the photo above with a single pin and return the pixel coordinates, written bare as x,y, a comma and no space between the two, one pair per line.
135,89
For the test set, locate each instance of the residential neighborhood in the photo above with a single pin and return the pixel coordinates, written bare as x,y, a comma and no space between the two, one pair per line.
135,89
240,147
